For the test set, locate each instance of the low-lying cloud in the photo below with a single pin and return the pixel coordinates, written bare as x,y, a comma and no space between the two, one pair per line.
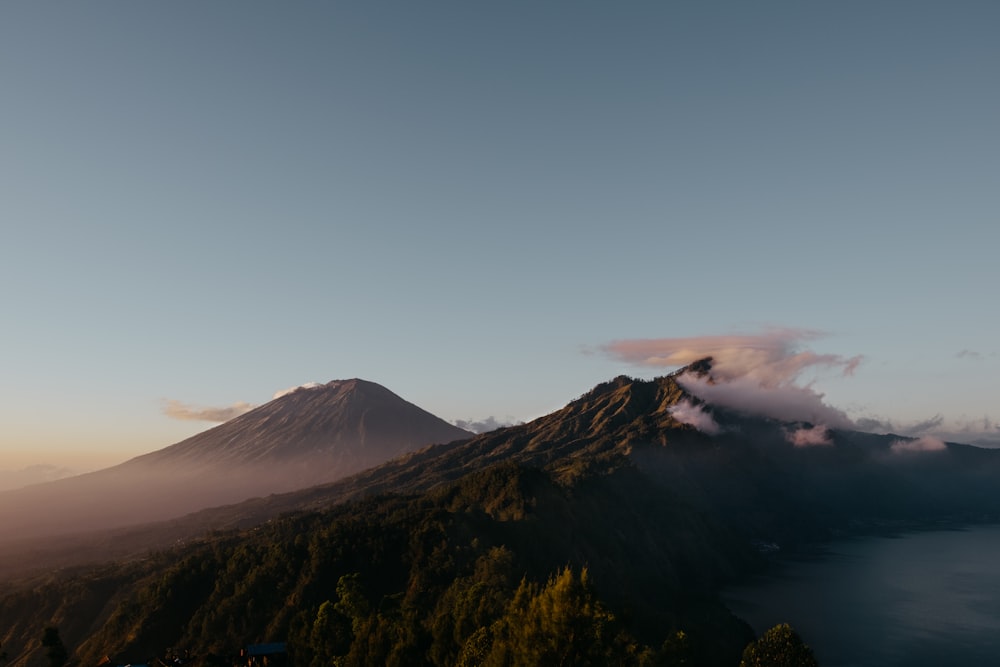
877,425
752,373
981,432
688,413
187,412
927,443
491,423
816,436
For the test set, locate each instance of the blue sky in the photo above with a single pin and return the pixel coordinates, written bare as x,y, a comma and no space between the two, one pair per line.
210,202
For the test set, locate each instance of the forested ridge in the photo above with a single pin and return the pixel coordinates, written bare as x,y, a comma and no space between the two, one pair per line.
609,568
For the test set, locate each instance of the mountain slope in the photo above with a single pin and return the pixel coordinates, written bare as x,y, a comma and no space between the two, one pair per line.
303,438
342,426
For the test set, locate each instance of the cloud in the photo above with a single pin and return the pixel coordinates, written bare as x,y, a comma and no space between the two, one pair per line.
878,425
785,403
927,443
810,437
285,392
969,354
772,358
491,423
178,410
753,373
980,431
688,413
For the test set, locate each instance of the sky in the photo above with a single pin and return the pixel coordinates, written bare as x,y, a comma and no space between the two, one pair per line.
482,205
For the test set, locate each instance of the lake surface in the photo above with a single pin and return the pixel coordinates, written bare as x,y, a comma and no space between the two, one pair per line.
919,599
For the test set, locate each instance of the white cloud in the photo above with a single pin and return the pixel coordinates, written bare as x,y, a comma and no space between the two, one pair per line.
285,392
752,373
491,423
927,443
688,413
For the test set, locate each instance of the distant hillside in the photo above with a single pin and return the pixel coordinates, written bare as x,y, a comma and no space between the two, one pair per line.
306,437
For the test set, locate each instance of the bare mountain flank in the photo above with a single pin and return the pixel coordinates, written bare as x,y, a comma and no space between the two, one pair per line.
306,437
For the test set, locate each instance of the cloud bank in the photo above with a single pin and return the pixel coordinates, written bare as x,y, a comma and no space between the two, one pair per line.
927,443
491,423
810,437
184,411
981,432
752,373
688,413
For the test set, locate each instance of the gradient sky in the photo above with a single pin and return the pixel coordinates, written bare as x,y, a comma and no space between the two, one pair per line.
207,202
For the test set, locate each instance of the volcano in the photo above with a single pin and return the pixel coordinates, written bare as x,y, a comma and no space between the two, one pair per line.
326,431
309,436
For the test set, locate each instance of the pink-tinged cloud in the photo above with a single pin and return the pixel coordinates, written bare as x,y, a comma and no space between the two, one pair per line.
752,373
688,413
927,443
771,358
817,436
785,403
177,410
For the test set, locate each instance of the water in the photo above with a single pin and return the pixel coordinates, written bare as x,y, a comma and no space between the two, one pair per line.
920,599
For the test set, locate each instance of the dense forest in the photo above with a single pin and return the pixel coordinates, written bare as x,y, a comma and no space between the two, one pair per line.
506,566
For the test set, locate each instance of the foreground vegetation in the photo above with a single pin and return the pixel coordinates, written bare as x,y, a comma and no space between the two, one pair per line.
506,566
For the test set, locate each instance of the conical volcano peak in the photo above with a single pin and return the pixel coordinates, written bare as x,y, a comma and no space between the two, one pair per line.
331,386
330,429
313,434
313,396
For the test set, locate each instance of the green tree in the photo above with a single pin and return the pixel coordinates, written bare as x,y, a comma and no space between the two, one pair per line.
55,651
676,651
330,635
351,600
780,646
563,623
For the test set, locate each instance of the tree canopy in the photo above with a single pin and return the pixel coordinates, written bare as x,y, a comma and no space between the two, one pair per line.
780,646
